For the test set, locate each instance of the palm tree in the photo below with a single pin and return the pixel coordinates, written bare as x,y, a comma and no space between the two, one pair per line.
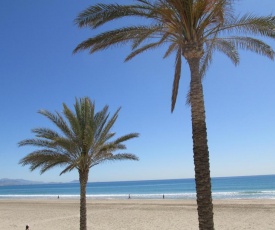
193,30
84,140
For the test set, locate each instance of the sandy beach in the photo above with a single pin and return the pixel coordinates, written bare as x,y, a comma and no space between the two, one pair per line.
134,214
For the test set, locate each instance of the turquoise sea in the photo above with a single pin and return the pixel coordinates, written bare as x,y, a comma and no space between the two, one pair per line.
243,187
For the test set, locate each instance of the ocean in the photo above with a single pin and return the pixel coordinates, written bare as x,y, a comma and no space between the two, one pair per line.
242,187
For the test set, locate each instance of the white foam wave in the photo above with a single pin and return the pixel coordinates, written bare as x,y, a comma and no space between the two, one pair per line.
216,195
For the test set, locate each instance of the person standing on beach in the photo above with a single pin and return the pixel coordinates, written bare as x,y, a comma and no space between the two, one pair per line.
27,227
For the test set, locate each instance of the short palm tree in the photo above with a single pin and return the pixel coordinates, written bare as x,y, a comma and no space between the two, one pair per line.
83,141
193,30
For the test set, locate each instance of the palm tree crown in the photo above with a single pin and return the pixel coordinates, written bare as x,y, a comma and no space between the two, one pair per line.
189,28
83,142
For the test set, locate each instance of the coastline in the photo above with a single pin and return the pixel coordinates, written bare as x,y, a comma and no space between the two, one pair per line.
134,214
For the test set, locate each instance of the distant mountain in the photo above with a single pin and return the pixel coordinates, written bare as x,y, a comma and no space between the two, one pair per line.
6,181
74,181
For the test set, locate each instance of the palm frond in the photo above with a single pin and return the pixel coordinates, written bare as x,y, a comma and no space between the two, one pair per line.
126,137
212,14
45,159
251,44
172,47
112,157
45,133
36,143
109,136
58,121
176,79
100,14
72,120
205,61
155,30
109,147
228,48
115,37
67,145
100,120
124,156
142,49
250,24
104,133
69,168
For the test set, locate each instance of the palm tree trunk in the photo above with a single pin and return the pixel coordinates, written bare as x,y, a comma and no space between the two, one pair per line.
83,178
200,149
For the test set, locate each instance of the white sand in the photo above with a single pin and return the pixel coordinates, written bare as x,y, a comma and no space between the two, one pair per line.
134,214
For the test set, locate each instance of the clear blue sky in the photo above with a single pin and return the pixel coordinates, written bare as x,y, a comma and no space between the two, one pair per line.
38,71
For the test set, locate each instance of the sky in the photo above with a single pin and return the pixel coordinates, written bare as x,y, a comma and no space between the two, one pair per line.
39,71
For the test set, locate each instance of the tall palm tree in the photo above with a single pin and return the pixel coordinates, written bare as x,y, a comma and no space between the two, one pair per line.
193,30
84,140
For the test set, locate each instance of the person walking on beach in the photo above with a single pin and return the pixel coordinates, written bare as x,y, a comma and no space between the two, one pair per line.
27,227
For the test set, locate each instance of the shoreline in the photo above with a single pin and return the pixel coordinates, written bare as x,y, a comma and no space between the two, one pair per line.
134,214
